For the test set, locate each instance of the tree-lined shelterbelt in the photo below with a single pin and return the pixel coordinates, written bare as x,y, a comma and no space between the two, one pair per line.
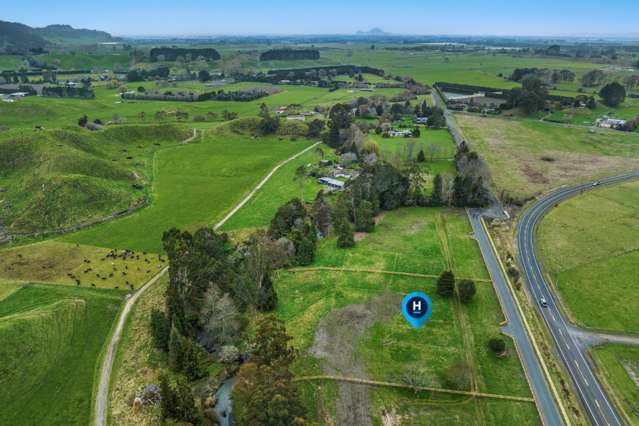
172,53
289,54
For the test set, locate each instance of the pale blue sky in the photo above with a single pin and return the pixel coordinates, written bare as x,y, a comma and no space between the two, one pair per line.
214,17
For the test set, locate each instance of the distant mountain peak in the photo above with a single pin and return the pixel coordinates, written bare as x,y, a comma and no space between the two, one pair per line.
373,31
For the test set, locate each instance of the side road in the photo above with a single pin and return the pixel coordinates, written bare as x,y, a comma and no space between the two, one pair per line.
542,387
102,397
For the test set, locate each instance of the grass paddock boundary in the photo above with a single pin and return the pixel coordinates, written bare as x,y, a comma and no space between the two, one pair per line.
377,271
414,388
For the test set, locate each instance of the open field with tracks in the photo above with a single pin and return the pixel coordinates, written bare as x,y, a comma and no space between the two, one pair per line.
529,157
259,211
137,363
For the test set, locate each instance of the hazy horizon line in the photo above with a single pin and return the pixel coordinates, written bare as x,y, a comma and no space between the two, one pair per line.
387,34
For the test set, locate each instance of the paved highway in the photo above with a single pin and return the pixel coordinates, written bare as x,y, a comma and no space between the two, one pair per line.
573,355
546,404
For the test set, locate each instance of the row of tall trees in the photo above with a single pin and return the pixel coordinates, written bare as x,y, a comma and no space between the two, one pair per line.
469,188
289,54
139,74
548,76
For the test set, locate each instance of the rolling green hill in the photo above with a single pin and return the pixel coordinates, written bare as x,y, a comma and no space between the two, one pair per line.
59,178
16,37
52,338
66,34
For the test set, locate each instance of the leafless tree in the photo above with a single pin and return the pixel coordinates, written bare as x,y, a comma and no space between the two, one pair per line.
433,150
354,138
219,319
262,256
447,189
409,147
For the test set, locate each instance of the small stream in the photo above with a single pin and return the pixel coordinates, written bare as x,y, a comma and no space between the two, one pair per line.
224,404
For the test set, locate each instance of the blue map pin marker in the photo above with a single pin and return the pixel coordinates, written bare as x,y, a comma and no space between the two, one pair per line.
417,308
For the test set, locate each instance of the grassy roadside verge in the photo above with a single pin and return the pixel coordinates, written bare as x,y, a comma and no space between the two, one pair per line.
618,368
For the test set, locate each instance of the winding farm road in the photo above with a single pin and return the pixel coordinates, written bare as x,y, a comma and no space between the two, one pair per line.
570,347
102,397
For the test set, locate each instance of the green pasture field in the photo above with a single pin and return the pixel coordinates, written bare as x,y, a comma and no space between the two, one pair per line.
421,240
428,240
618,364
590,246
423,409
194,185
7,288
436,143
476,68
438,147
104,58
281,188
54,112
480,68
392,350
52,338
527,157
11,62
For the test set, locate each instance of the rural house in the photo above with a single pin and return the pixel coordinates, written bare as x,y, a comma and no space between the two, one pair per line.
333,183
610,123
400,133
